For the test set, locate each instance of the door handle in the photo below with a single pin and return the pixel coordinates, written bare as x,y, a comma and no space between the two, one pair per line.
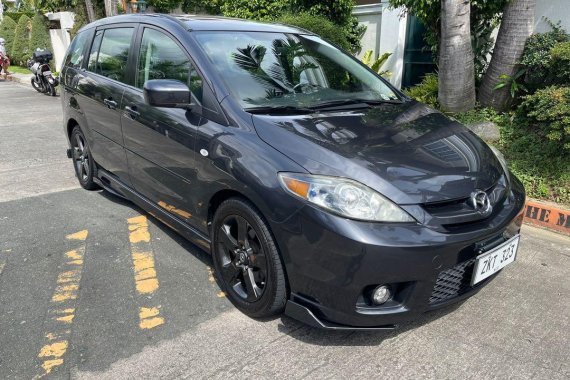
132,111
109,102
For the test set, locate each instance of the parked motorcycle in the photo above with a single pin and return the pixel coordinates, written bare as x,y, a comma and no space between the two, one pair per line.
43,80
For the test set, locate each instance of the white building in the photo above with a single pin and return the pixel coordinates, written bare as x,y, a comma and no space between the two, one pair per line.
394,31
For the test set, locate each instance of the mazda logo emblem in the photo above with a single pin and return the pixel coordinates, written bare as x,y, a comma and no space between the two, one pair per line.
480,202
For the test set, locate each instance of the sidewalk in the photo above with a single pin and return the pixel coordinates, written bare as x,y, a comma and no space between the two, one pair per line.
20,78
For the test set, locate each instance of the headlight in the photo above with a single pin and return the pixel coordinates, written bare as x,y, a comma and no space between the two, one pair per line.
502,160
344,197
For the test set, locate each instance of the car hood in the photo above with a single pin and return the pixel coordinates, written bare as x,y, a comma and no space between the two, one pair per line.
408,152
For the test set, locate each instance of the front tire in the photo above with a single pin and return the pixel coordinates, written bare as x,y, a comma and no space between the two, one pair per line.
246,260
37,86
83,162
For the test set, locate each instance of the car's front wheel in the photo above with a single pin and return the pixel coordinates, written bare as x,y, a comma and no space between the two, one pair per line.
83,162
246,260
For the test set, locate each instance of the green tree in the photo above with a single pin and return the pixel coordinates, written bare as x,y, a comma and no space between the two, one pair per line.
163,6
20,46
263,10
516,28
318,25
339,12
7,30
39,37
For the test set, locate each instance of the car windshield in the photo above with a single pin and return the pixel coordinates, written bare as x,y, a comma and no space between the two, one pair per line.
289,71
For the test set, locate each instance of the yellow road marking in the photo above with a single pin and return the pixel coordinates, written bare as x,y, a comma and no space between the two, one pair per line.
48,365
146,280
62,311
149,317
81,235
221,295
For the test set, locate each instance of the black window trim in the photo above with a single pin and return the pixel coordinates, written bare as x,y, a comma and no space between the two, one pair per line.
216,113
129,74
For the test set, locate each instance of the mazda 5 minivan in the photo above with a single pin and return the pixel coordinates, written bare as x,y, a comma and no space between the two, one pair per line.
319,189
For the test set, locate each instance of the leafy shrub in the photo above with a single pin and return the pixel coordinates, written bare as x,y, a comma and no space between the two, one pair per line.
16,15
80,18
7,30
20,47
318,25
425,92
479,115
541,165
163,6
39,37
560,64
263,10
339,12
537,57
548,110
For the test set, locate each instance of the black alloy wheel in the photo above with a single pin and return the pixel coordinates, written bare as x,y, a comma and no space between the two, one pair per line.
246,260
82,161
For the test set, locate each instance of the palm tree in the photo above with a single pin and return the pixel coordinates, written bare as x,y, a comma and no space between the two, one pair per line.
456,62
517,26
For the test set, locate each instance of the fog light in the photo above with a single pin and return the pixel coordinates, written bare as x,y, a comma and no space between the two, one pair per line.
381,294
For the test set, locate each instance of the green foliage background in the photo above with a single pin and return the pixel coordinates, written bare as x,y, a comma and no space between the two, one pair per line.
20,47
39,37
316,24
485,17
7,31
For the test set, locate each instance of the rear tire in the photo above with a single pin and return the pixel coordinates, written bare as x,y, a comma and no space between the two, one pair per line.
246,260
51,89
83,163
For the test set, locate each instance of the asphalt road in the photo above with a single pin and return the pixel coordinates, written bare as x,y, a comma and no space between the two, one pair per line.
91,288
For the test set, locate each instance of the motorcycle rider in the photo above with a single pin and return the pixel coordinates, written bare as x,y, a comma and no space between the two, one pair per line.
4,59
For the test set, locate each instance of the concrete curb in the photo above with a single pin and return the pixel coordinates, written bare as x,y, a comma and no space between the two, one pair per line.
551,216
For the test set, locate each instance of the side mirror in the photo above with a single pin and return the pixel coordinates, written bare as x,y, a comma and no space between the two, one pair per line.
167,93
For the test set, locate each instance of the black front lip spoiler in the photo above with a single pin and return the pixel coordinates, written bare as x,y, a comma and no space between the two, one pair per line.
303,314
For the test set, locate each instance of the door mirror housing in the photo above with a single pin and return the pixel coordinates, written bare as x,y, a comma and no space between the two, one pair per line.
168,93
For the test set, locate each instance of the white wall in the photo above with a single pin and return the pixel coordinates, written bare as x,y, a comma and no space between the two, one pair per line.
60,38
554,10
386,32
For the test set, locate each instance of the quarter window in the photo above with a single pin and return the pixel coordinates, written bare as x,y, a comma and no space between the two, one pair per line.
161,58
113,53
75,54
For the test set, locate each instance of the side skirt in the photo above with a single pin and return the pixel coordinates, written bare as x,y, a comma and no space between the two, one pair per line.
112,184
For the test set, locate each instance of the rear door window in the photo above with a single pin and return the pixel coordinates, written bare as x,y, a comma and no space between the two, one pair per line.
110,53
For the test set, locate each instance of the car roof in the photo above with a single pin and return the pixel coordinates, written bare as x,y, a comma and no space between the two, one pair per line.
200,22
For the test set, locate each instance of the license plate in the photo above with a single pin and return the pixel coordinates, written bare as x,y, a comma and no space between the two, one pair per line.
491,262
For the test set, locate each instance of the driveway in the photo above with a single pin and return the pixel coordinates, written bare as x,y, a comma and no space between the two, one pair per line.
82,295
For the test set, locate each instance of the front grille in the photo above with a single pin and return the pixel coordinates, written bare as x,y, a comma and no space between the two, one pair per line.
453,282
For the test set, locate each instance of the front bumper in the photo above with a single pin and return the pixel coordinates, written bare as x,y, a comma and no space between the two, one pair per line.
332,263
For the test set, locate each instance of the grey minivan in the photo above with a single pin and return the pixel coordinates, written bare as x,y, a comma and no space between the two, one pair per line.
319,189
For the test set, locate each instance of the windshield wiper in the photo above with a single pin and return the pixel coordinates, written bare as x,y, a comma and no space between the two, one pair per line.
278,110
363,103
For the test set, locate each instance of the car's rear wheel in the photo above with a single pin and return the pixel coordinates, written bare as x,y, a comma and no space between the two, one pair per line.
246,260
83,162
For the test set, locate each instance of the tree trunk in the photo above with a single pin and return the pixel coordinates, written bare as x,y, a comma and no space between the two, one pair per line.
516,27
90,10
456,61
110,8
